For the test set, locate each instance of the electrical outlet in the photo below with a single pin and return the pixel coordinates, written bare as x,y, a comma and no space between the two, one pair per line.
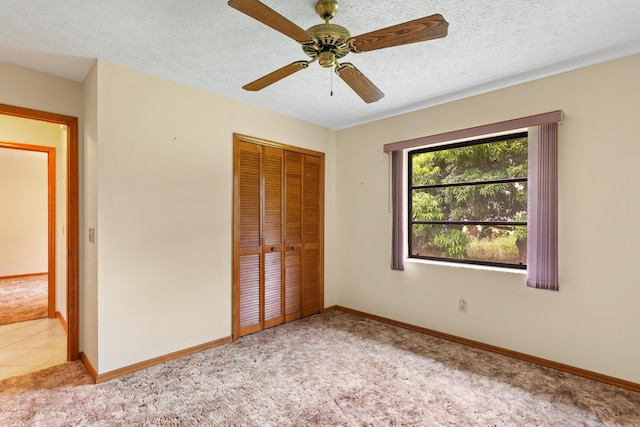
462,305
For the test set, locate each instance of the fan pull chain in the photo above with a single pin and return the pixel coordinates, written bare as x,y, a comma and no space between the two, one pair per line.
331,78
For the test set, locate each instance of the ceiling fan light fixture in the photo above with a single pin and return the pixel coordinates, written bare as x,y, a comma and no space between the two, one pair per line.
326,59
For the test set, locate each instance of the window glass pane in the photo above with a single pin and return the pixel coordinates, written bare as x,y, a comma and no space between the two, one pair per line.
487,202
489,244
481,162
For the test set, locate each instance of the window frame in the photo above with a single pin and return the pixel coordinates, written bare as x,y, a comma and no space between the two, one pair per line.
409,198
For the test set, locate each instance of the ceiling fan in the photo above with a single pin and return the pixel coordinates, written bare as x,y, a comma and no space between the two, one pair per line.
326,43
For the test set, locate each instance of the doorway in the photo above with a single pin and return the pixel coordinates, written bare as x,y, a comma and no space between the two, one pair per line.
28,248
72,224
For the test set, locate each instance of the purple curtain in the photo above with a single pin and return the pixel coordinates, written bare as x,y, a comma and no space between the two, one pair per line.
397,245
542,228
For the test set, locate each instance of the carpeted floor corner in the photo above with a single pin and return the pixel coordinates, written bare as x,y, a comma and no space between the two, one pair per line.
330,369
23,298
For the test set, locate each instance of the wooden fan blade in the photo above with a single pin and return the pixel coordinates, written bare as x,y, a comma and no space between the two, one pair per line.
419,30
277,75
359,82
273,19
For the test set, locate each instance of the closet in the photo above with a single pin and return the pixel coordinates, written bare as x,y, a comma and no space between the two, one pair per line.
278,204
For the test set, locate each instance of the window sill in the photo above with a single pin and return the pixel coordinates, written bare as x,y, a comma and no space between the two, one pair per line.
517,271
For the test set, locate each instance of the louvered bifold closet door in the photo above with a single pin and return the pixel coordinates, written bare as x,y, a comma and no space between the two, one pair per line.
247,244
293,234
273,165
277,235
311,235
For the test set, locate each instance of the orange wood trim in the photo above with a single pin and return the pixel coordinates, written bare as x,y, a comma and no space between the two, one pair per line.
321,236
246,330
28,113
260,141
27,147
291,317
270,323
73,242
90,368
261,257
63,321
18,276
235,287
162,359
494,349
73,258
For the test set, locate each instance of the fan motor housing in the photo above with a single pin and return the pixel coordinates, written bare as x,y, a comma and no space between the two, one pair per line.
330,38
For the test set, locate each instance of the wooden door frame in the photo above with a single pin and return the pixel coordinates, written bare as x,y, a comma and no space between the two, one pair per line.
72,228
51,217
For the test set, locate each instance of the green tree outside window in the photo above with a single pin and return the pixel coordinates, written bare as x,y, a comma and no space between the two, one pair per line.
469,201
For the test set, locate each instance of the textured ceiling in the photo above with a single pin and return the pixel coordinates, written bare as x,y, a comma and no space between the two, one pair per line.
209,45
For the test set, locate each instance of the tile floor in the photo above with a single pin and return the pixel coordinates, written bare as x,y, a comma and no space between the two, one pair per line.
30,346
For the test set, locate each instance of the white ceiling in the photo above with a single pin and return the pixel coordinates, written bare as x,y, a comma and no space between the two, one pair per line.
209,45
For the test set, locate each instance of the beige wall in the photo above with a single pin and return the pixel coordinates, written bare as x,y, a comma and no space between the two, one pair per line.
23,215
592,322
89,265
164,217
32,89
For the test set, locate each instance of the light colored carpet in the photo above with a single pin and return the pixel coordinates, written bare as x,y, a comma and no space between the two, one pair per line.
330,369
23,298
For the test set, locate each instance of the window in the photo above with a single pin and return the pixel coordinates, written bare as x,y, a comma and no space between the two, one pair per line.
467,202
542,186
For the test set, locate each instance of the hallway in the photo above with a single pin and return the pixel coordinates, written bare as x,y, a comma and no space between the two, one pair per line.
30,346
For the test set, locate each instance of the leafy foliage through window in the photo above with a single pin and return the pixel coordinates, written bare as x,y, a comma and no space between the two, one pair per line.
468,202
